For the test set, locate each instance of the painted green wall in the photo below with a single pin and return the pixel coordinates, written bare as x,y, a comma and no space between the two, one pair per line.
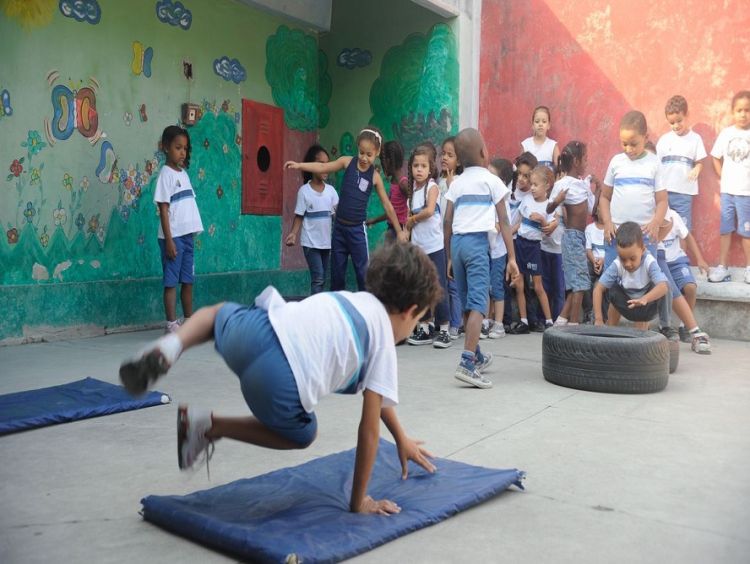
61,223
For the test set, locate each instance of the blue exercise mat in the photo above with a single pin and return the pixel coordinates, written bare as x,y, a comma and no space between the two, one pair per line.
304,511
69,402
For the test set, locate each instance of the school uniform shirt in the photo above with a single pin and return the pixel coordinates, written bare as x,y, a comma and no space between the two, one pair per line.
335,342
578,190
634,183
495,238
733,144
677,155
543,152
174,188
316,209
474,194
634,283
356,188
595,240
671,243
552,243
428,233
530,229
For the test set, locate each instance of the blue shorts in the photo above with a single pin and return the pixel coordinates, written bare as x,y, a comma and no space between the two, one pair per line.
681,273
735,214
181,269
529,256
246,340
661,259
497,278
575,263
682,204
471,270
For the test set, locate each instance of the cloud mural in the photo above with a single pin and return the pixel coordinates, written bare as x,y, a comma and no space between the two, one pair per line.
353,58
81,10
230,69
174,13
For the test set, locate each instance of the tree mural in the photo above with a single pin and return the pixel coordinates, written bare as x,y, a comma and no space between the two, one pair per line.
416,95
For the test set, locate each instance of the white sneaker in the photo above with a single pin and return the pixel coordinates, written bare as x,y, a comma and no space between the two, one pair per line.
191,437
720,274
560,322
172,326
701,344
472,377
497,331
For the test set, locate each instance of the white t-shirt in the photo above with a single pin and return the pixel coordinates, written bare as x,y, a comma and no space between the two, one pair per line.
634,184
349,348
543,152
677,155
316,209
529,229
733,144
578,190
173,187
474,194
552,243
595,240
633,282
495,238
428,233
671,243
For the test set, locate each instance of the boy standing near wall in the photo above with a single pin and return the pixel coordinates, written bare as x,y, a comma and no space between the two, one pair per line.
472,201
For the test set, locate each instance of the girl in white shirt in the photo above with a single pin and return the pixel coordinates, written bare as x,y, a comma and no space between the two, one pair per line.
542,147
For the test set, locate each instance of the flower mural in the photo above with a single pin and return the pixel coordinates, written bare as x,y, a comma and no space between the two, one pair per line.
44,238
33,143
29,212
84,183
12,235
35,176
59,215
15,168
219,192
67,182
80,221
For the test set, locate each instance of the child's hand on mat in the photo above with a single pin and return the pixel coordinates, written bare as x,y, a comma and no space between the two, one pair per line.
291,164
640,302
413,450
170,248
379,507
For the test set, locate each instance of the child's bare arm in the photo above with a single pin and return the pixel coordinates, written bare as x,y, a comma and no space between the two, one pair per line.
597,304
718,165
388,207
695,171
447,234
590,256
427,210
652,227
320,168
367,450
511,268
408,449
169,245
694,249
291,239
605,199
658,291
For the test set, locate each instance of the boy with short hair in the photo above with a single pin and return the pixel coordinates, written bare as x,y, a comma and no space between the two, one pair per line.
472,201
289,355
680,152
634,280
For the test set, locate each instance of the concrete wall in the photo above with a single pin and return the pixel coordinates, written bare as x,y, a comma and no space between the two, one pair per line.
593,60
76,204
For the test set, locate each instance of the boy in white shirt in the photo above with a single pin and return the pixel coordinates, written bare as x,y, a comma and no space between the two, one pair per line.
285,368
473,199
680,153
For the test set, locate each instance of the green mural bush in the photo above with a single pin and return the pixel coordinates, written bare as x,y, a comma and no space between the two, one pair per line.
298,75
415,98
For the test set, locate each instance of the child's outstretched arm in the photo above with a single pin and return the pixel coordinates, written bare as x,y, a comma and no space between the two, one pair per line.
408,449
388,207
597,304
367,450
320,168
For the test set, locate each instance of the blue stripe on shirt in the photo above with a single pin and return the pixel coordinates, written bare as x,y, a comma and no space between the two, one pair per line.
634,181
318,214
361,338
676,159
181,195
473,200
532,224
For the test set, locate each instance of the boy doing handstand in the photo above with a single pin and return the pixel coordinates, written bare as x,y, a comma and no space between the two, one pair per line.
285,369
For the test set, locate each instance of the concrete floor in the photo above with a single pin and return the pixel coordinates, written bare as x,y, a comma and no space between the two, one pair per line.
611,478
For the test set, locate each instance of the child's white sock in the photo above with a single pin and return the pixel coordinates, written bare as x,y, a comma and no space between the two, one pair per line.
171,347
425,327
548,322
443,327
525,320
561,320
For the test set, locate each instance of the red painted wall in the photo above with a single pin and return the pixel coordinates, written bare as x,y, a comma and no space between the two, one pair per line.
591,61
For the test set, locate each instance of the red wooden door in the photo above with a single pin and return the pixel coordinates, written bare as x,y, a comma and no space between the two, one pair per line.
262,154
